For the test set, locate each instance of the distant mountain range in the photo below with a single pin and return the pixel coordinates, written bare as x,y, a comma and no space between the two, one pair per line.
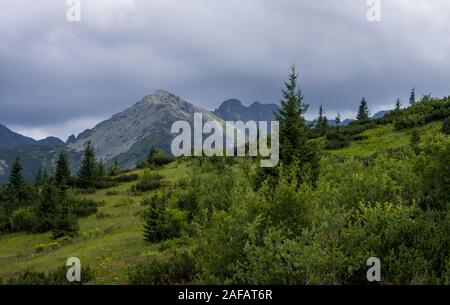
32,153
11,139
127,136
233,110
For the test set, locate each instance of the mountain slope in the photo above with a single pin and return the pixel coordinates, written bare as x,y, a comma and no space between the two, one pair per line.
32,153
32,158
128,136
9,138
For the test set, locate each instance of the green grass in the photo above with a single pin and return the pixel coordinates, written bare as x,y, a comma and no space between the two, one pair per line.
108,244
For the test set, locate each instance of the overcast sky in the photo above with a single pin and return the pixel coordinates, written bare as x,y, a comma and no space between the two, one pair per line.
59,78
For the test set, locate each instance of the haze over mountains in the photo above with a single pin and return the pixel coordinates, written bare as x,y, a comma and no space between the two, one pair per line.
127,136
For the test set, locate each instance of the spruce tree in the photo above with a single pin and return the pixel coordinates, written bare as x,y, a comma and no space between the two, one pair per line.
398,104
338,121
17,188
322,121
87,176
363,111
290,117
49,199
155,222
39,176
101,171
412,96
66,223
294,144
62,171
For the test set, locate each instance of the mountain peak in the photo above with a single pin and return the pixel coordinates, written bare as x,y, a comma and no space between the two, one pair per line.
128,136
233,102
161,92
233,110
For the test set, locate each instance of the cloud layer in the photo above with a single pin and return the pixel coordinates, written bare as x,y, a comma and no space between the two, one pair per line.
58,77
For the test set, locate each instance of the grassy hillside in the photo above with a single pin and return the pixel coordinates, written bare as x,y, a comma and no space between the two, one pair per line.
111,241
384,137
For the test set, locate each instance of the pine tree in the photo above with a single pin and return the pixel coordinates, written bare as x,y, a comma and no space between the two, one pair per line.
101,171
87,176
363,111
39,176
338,120
294,144
49,199
412,96
322,121
155,223
66,223
398,104
62,172
17,188
290,116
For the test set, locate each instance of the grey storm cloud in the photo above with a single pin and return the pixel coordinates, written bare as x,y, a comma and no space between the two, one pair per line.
62,77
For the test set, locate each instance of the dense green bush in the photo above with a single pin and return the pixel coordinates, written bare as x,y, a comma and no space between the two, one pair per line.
155,159
24,220
148,182
162,222
83,207
125,178
179,268
335,139
434,171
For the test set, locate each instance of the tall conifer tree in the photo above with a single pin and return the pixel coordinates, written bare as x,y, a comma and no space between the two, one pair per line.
363,111
87,176
62,171
294,144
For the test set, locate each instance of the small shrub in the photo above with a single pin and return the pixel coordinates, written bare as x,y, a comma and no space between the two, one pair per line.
47,247
157,157
154,200
105,184
359,137
126,178
24,220
82,207
162,223
178,269
148,182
